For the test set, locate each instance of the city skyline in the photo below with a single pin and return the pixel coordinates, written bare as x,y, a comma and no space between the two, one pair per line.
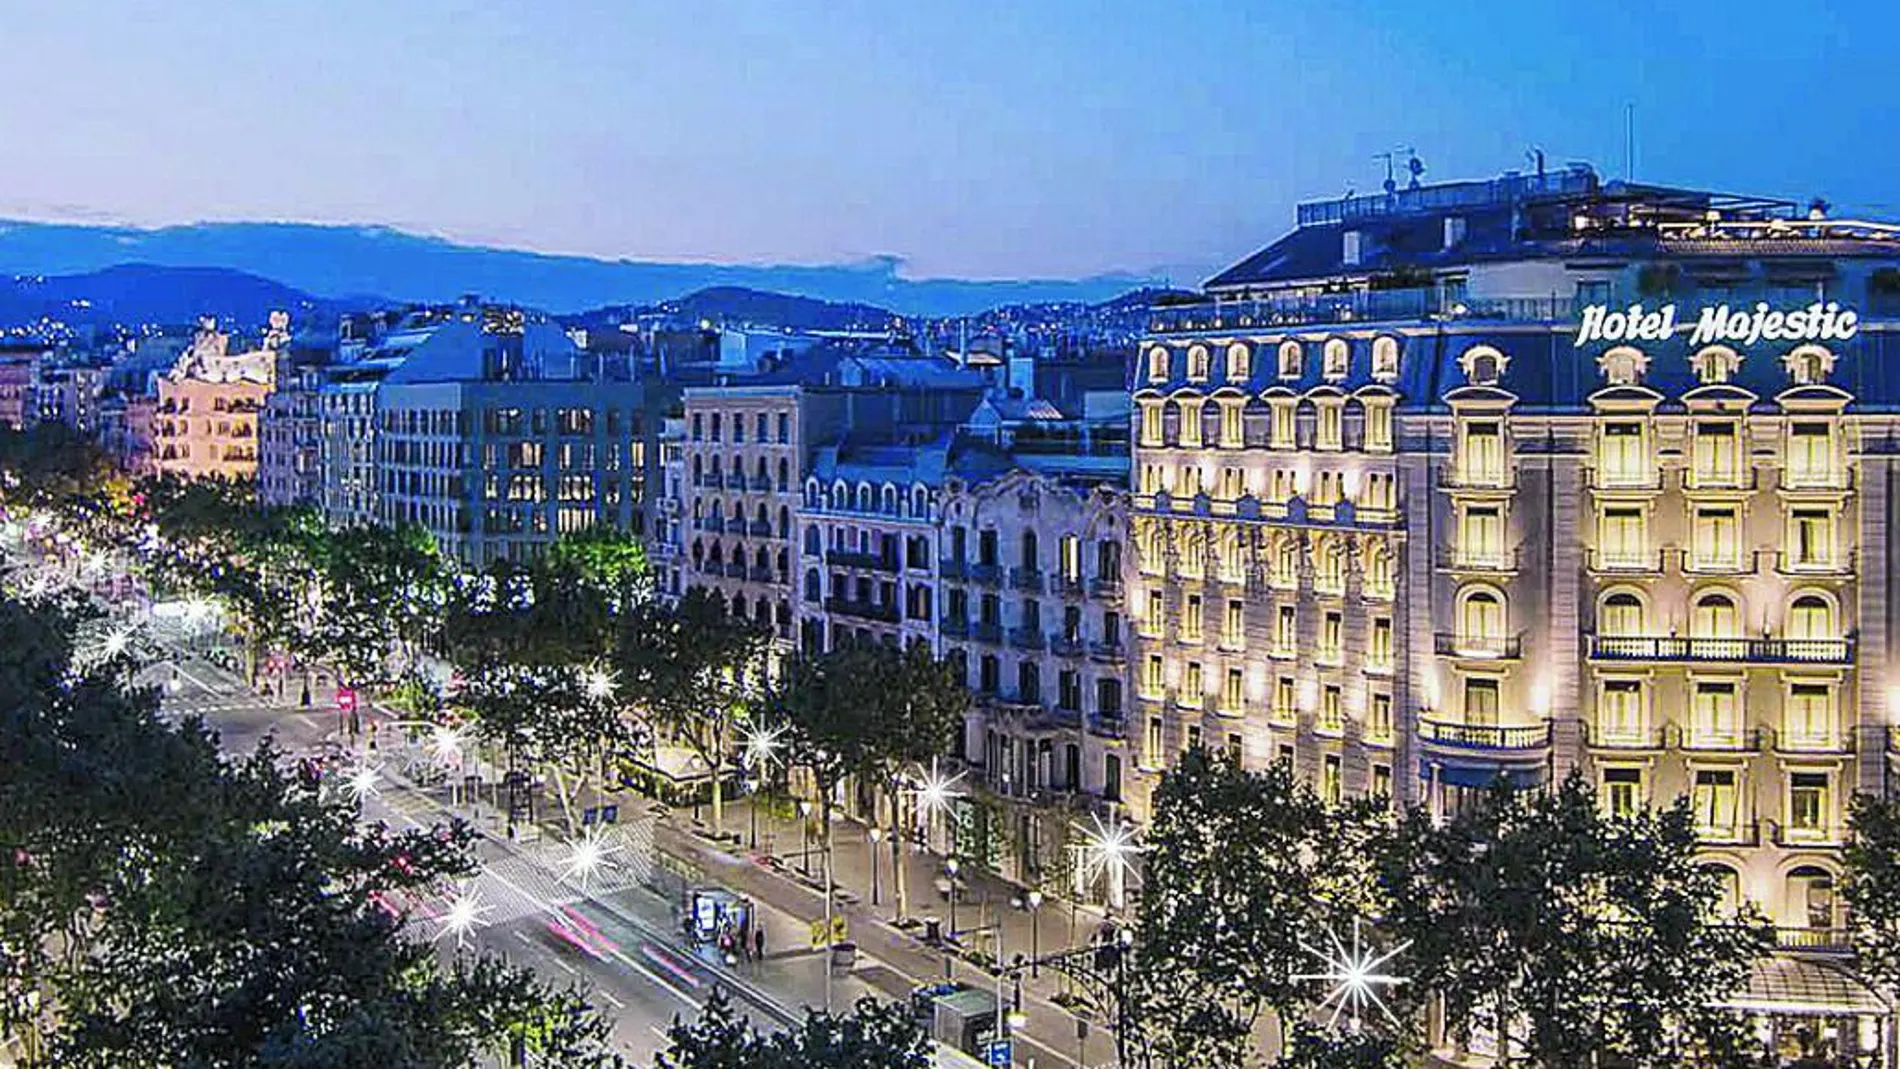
1048,141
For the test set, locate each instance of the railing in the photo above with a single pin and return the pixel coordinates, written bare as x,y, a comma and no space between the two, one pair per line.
1707,649
1694,562
1456,477
762,483
1732,480
1066,646
1726,740
1108,652
1623,561
1837,564
988,574
1495,562
1027,638
1738,833
1786,835
1815,940
1109,725
735,481
951,569
1069,585
1026,579
849,559
869,610
1831,479
1106,586
1478,647
735,569
761,528
1485,736
1354,307
987,632
1620,737
1598,479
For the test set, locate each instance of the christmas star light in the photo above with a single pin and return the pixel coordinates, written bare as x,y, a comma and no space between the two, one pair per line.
761,746
1355,975
362,783
935,791
601,684
1107,849
446,743
587,855
465,913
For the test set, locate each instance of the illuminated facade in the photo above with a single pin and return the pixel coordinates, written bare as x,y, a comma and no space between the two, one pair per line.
1400,518
204,421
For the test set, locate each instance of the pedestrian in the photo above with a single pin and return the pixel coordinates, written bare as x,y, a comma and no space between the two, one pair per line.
758,943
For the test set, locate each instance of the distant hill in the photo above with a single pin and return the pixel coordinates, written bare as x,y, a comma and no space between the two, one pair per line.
341,261
144,293
738,304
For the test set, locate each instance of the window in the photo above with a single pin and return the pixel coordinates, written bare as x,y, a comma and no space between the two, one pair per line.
1286,627
1197,361
1233,624
1379,581
1808,816
1809,617
1235,749
1715,616
1193,736
1715,715
1810,460
1385,358
1232,484
1811,538
1623,455
1808,721
1331,790
1332,709
1286,562
1232,428
1239,362
1379,718
1191,619
1193,687
1335,358
989,672
1329,571
1717,454
1481,619
1481,456
1620,712
1190,431
1716,541
1379,646
1481,702
1622,539
1382,781
1481,536
1327,432
1282,425
1157,610
1153,677
1233,693
1332,626
1111,777
1290,359
1715,800
1069,558
1622,791
1153,751
1158,364
1622,615
1285,700
1378,426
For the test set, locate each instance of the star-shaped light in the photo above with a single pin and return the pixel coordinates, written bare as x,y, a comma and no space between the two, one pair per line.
1356,976
446,744
1107,849
115,642
362,783
601,683
762,744
935,791
465,913
588,855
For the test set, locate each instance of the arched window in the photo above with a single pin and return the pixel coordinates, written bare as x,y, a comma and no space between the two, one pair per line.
920,503
1239,362
813,541
1716,616
784,474
1481,617
784,566
1379,580
1197,363
1158,364
1809,365
761,560
1108,560
1728,882
1810,616
698,469
1335,359
1483,365
1329,572
784,522
1286,560
1622,615
890,500
864,497
1810,898
814,586
1290,359
1385,358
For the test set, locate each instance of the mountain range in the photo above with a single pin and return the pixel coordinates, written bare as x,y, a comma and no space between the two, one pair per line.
336,264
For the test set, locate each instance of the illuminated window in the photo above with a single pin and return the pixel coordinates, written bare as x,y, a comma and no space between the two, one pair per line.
1151,432
1286,628
1286,562
1481,702
1481,536
1193,688
1239,362
1285,701
1715,364
1810,459
1335,359
1154,752
1233,693
1716,542
1807,721
1190,433
1331,790
1197,363
1191,619
1332,709
1481,453
1620,711
1379,577
1232,484
1622,791
1379,647
1809,364
1379,718
1233,625
1331,637
1811,538
1715,802
1329,571
1232,559
1385,359
1153,677
1232,426
1808,808
1378,426
1810,617
1158,364
1069,557
1715,616
1327,432
1622,615
1715,714
1717,454
1481,619
1290,359
1282,424
1622,538
1157,608
1623,454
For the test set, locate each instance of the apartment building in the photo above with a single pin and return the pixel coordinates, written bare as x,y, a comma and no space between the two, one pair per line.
204,416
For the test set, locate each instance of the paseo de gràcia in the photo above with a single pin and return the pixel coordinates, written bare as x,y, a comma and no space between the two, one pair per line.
1820,321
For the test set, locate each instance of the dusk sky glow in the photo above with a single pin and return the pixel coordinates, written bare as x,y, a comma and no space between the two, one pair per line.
980,139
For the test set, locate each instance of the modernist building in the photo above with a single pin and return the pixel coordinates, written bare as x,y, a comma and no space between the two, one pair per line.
205,412
1540,474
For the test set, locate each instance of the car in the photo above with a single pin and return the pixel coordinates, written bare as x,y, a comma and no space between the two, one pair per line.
570,926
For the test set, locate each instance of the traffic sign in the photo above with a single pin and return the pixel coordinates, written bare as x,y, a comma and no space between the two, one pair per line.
997,1053
838,932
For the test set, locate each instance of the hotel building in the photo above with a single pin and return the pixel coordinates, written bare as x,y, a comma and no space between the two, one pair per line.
1420,502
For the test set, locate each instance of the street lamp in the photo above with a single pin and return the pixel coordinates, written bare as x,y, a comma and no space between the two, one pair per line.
874,836
1035,932
1107,850
935,793
950,866
761,747
804,827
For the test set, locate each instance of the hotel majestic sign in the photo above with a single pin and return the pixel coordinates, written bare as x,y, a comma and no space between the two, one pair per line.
1719,324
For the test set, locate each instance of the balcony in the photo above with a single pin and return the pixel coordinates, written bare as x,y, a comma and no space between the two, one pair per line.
1825,480
1627,738
865,610
1028,580
952,569
1478,647
1473,561
1724,740
1067,646
1112,653
1623,561
987,574
1807,741
1733,833
1477,480
735,481
1814,940
1702,561
1797,838
760,528
1706,650
1027,638
1503,737
1069,586
1718,479
955,626
1795,565
715,524
1109,725
1645,481
989,631
761,484
847,559
736,569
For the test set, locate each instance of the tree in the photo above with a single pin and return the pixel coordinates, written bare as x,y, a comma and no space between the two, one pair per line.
383,594
1567,933
1312,1048
696,673
612,563
1871,886
1238,876
169,905
872,1035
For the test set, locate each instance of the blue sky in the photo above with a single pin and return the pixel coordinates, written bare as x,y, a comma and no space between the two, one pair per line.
978,138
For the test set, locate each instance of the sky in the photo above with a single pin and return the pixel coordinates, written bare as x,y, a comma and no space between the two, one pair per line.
980,139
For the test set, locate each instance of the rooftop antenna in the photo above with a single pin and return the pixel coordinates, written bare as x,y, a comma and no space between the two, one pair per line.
1629,140
1536,156
1391,186
1414,166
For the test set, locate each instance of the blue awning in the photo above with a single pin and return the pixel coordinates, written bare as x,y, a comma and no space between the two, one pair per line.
1457,774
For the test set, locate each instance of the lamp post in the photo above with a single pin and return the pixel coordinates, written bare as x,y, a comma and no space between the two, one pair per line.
950,866
874,836
1035,932
804,827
